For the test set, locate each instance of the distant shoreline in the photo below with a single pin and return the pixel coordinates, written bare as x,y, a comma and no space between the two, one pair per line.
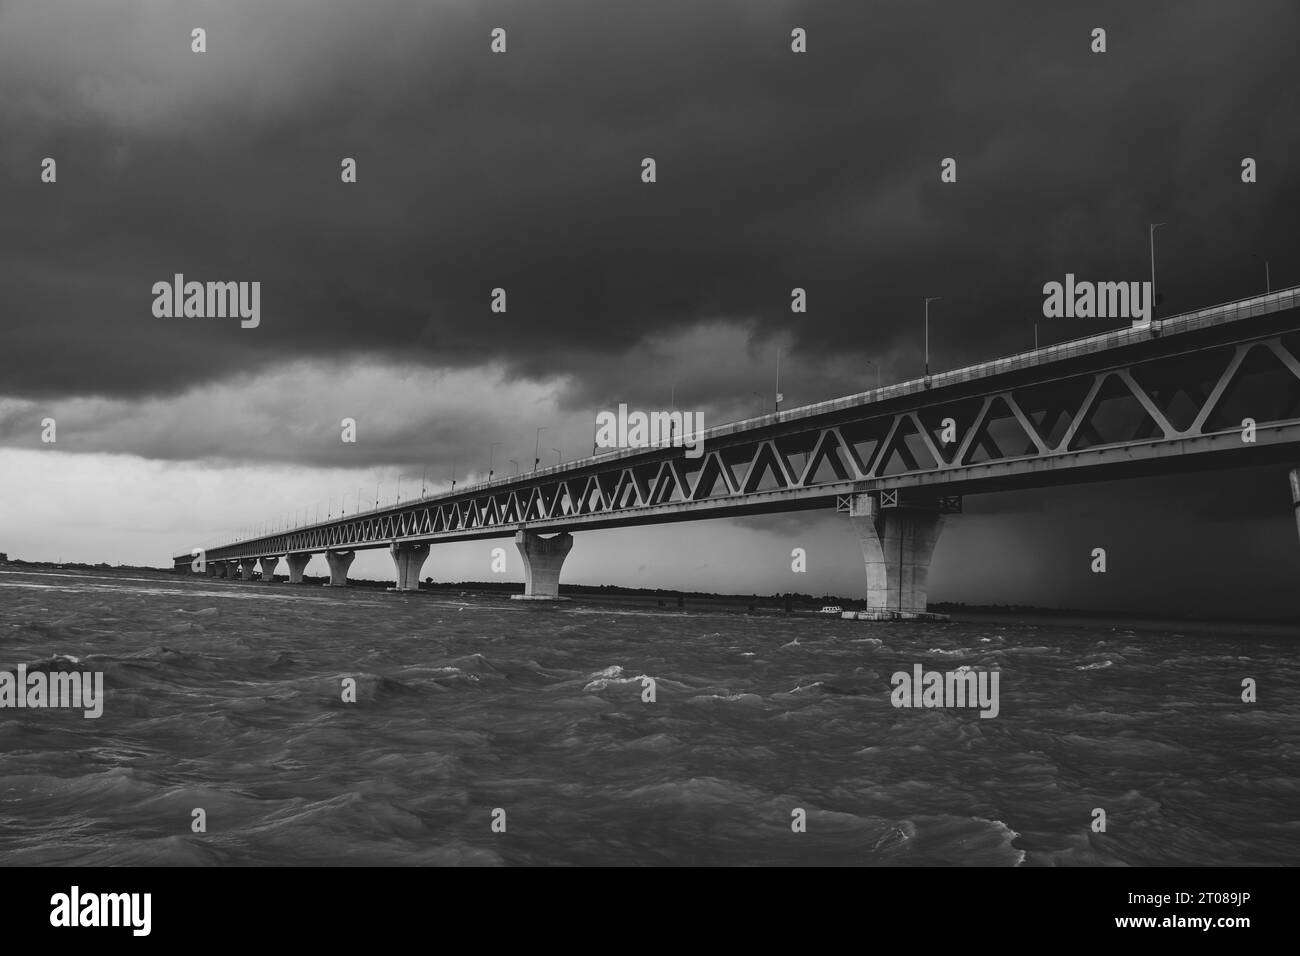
767,604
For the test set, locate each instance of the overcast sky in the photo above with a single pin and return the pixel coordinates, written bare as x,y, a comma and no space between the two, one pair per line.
522,170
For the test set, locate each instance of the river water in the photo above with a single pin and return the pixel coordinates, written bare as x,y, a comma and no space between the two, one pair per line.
228,697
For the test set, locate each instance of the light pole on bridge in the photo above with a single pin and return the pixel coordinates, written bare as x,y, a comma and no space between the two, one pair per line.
876,366
557,455
928,300
1151,238
777,405
537,444
515,463
492,448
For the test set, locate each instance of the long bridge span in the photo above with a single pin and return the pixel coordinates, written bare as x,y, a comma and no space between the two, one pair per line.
1215,388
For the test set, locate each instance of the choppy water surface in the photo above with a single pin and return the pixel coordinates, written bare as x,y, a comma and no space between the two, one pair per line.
226,696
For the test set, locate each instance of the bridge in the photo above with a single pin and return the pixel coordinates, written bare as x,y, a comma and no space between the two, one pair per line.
1215,388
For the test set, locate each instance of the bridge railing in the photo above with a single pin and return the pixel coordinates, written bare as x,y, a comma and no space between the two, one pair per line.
1202,318
1184,322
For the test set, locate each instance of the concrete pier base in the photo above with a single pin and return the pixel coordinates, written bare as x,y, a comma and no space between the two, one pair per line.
211,569
223,570
268,569
246,568
543,559
297,565
897,544
883,615
339,562
408,559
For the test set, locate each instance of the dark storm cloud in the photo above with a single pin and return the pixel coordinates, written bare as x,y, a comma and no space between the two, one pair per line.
522,171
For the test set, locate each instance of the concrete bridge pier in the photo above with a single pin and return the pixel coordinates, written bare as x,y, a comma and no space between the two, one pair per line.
408,559
246,566
297,565
339,562
897,544
543,559
223,571
268,569
1295,495
211,569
